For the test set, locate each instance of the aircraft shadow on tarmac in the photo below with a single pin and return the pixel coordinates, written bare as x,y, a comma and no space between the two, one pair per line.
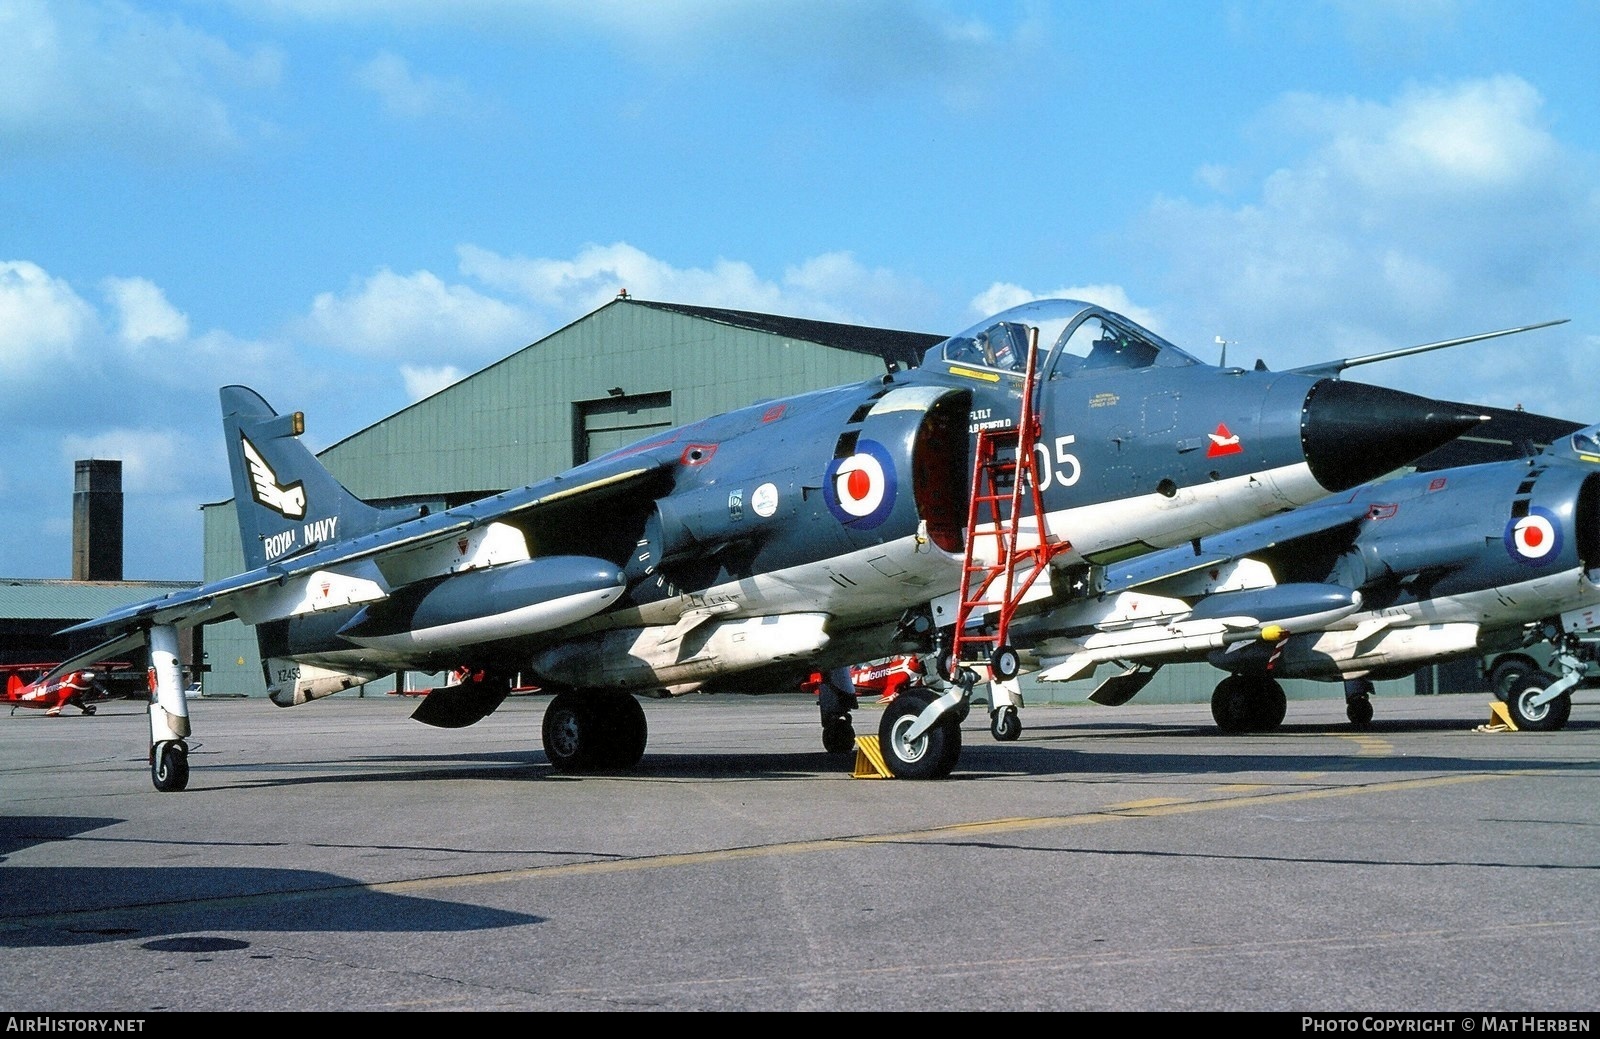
62,906
1064,749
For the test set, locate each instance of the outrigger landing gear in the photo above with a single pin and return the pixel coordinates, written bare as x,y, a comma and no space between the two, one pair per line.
169,713
169,765
836,698
1358,701
1005,724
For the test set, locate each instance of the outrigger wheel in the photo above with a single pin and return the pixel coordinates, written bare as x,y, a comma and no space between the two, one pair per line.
838,735
169,765
1004,724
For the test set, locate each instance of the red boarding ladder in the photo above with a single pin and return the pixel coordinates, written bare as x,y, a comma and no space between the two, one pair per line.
1000,502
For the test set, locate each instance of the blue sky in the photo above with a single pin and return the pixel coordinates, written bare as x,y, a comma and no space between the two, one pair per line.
347,204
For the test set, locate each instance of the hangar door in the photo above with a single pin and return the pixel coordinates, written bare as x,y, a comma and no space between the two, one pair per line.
611,422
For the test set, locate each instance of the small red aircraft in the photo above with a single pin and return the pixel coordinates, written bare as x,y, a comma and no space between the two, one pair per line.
886,678
80,689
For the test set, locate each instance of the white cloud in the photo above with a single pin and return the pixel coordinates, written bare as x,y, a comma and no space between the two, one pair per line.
425,382
851,46
76,74
838,287
1003,296
829,287
406,94
1470,137
1450,210
416,317
599,272
43,322
143,313
153,461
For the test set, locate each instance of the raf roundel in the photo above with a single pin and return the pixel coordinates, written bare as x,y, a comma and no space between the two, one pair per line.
1534,539
860,488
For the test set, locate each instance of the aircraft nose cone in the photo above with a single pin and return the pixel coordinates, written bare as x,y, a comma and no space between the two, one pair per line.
1352,432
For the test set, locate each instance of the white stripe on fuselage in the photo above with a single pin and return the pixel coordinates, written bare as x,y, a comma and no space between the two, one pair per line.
1161,522
869,585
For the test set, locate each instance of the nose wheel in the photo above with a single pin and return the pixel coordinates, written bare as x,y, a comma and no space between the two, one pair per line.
931,754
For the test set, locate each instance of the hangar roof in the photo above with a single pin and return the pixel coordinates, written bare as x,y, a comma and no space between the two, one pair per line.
44,599
890,344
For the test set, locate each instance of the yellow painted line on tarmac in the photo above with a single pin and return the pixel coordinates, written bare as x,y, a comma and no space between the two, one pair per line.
1151,808
1369,746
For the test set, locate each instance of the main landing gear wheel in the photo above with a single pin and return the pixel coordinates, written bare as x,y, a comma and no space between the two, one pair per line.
1271,705
932,755
1245,703
584,732
169,766
1004,724
623,730
1004,664
1521,687
89,709
838,735
1508,675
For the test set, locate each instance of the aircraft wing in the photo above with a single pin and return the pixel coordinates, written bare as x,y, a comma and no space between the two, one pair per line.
1233,544
354,562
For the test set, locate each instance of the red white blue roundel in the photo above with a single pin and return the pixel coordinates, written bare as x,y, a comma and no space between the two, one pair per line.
860,489
1534,539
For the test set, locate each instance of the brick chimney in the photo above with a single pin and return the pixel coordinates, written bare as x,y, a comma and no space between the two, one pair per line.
97,521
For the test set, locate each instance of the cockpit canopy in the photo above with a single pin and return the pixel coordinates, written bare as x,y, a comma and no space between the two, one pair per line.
1586,443
1075,339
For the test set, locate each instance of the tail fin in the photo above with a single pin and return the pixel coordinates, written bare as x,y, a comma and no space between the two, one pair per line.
14,685
286,499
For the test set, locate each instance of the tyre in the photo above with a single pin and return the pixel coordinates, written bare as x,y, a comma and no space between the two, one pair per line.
1005,725
622,732
1269,707
1004,664
1230,704
1548,717
1510,673
570,731
169,766
1359,710
932,755
838,735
